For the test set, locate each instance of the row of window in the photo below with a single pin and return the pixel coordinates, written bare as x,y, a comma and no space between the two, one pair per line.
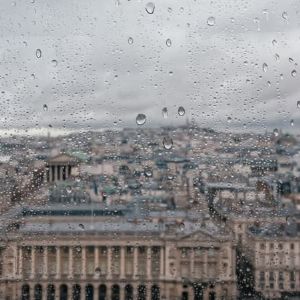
271,276
63,292
271,281
279,246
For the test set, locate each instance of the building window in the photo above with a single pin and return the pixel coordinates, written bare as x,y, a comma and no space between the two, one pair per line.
280,285
292,285
262,279
292,276
281,276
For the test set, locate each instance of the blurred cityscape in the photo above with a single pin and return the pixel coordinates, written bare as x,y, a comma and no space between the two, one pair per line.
183,213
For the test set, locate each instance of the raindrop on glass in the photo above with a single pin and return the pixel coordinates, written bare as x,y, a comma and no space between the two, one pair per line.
285,15
294,73
298,104
168,42
277,57
181,111
130,40
148,172
45,107
167,143
38,53
140,119
292,122
97,271
274,42
69,189
289,220
181,226
81,226
211,21
54,62
291,60
150,7
265,67
165,112
276,132
229,119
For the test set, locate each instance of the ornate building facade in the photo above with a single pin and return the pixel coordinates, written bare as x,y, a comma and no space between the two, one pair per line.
275,256
61,254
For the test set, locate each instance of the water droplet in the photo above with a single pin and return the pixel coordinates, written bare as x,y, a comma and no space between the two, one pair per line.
181,111
291,60
165,112
285,15
266,13
140,119
38,53
150,7
69,189
168,42
229,119
292,122
298,104
45,107
276,132
274,42
148,172
294,73
277,57
130,40
81,226
97,271
181,226
54,62
211,21
265,67
170,177
167,143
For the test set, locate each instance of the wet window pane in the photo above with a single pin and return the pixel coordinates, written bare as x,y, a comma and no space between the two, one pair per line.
149,150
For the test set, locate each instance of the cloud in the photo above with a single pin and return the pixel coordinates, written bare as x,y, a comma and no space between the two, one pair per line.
100,79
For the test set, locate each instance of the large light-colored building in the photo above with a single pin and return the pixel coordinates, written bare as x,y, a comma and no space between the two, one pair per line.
274,252
87,252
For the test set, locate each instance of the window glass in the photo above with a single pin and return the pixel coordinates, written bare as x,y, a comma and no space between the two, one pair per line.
149,149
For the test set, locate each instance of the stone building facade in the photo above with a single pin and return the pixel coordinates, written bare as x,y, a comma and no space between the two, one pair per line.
63,257
275,256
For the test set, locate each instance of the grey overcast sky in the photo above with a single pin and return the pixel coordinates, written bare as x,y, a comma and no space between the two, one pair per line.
104,61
